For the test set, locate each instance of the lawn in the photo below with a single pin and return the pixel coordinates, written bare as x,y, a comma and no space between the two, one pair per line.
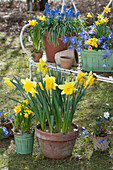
98,99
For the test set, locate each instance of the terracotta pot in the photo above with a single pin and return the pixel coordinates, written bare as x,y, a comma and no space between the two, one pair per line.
104,145
66,61
37,56
51,48
57,145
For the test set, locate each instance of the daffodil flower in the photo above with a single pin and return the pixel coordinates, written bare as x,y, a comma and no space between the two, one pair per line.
67,88
49,83
17,109
41,66
89,15
8,82
106,9
32,22
80,77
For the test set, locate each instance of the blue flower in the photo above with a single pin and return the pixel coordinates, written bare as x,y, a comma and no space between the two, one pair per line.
104,65
52,12
110,155
9,116
112,118
79,48
48,22
92,32
79,43
73,14
4,129
62,14
108,52
46,5
58,9
84,37
98,122
36,18
59,17
64,7
101,141
65,39
102,37
59,13
70,18
83,128
64,20
6,132
0,113
84,134
2,109
86,45
71,47
73,39
104,46
100,40
100,117
77,14
45,11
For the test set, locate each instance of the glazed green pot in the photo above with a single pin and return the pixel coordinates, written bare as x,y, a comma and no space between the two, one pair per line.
93,60
24,143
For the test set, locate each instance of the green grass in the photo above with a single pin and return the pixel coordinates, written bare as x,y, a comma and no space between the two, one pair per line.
13,61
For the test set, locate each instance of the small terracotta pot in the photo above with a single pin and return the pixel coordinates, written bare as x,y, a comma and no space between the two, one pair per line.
57,145
104,145
37,56
66,61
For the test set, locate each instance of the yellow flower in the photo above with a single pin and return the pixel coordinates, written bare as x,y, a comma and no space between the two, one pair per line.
97,23
8,82
106,9
89,15
93,29
17,109
26,101
29,112
33,91
95,40
20,114
106,19
28,85
49,82
32,22
26,115
42,18
40,84
67,88
41,66
101,21
99,16
90,80
80,77
90,48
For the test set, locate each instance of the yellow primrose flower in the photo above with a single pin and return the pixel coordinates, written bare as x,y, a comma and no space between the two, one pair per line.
26,101
32,22
17,109
90,48
101,21
28,85
49,83
26,115
97,23
80,76
106,19
89,15
41,66
8,82
95,40
67,88
40,84
106,9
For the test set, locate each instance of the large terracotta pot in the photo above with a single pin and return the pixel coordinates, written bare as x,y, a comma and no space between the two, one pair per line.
51,48
104,145
57,145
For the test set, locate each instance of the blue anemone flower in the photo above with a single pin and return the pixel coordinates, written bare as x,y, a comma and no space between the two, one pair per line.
101,141
104,46
100,117
73,39
100,40
104,65
65,39
110,155
4,129
102,37
79,48
86,45
83,128
71,47
98,122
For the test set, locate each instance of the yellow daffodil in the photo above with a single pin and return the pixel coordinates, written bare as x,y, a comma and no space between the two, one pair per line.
8,82
28,85
26,102
49,83
106,19
20,114
90,48
41,66
90,80
89,15
40,84
41,18
29,112
97,23
80,77
106,9
32,22
17,109
67,88
99,16
101,21
33,91
26,115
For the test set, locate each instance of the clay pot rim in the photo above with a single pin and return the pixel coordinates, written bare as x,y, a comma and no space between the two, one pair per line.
57,134
66,57
108,135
